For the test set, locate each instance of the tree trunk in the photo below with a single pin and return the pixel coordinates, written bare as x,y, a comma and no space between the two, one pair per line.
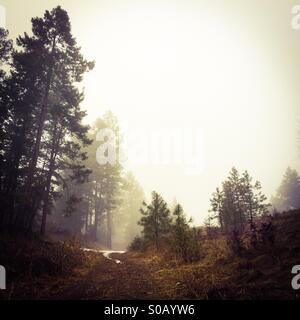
53,156
87,218
42,119
109,229
41,124
96,204
46,198
10,185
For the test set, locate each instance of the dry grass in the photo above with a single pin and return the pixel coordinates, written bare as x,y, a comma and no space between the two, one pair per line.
263,273
42,270
32,263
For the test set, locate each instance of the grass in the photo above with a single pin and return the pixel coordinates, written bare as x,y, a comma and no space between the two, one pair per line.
264,273
33,264
38,269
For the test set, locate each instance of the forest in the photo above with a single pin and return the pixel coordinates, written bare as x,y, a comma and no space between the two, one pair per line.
75,227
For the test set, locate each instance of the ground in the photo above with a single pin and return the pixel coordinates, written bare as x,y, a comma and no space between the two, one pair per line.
63,271
104,279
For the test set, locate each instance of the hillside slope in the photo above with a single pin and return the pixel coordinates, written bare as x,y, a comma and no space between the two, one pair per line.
257,274
38,270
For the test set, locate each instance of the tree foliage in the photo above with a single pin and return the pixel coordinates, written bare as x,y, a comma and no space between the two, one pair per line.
41,120
186,242
155,219
288,193
238,201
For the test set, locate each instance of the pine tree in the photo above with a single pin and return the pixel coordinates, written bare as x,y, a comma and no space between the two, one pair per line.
70,209
113,181
288,193
181,233
99,189
156,219
64,151
5,56
107,177
43,77
254,201
216,203
238,202
64,66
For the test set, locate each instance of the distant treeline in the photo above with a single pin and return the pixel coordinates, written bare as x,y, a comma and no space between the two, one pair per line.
239,211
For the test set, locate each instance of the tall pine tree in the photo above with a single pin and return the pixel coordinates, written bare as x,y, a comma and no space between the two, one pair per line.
42,99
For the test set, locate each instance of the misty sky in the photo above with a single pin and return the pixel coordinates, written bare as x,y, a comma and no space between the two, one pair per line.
228,68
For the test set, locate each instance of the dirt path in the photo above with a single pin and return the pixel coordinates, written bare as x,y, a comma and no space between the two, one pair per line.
106,279
106,254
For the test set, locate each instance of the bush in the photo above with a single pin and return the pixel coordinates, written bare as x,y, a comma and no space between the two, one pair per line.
186,245
250,237
138,244
259,235
33,257
267,232
235,242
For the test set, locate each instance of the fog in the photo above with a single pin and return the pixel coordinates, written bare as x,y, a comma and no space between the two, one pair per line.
228,70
